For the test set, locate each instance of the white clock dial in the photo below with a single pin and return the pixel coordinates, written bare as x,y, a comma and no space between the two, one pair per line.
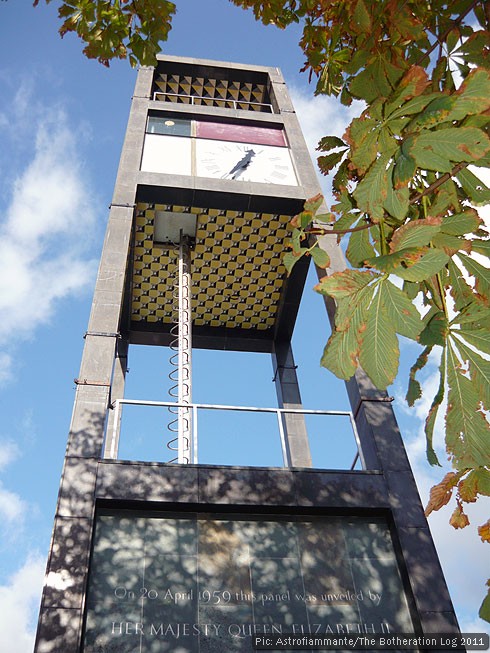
244,162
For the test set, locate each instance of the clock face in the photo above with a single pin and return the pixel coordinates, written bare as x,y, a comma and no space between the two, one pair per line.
267,164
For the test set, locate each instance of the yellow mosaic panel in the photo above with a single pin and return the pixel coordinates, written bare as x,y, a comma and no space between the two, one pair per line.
237,273
187,89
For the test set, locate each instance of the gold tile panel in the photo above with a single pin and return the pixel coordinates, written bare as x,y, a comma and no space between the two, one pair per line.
237,272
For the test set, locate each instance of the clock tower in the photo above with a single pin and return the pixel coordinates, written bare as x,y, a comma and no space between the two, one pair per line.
174,555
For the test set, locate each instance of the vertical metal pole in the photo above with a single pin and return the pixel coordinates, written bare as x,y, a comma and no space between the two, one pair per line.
185,351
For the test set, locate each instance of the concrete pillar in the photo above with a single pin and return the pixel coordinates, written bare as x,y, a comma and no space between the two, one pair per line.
288,395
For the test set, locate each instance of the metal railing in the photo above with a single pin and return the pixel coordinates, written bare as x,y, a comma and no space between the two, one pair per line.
194,407
226,103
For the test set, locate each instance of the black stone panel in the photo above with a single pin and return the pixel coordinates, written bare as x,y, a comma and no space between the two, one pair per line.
390,449
127,481
60,631
424,570
341,490
68,563
404,499
439,622
246,486
77,488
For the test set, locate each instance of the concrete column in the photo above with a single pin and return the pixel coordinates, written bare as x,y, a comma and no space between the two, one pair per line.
288,395
111,445
62,606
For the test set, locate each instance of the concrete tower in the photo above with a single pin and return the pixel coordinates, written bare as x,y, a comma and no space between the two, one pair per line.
173,555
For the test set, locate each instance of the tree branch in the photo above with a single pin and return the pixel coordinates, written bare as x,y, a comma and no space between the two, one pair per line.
440,40
317,231
442,180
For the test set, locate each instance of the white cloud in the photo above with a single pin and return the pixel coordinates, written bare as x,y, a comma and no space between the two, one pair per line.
322,116
9,451
6,368
45,230
12,507
19,603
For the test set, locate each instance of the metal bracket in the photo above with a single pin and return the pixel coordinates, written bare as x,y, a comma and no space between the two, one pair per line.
283,367
382,400
122,206
101,333
85,382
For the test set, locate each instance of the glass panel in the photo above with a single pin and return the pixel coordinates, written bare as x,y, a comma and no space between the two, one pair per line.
193,583
224,131
169,126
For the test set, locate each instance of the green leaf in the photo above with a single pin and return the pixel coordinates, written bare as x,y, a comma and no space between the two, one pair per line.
435,113
325,218
341,352
430,422
413,83
329,143
481,274
320,257
345,283
379,352
436,330
479,370
478,192
346,220
397,202
451,244
362,136
415,105
403,314
481,246
296,241
446,198
431,262
361,19
414,391
479,338
302,220
459,289
313,203
461,223
389,263
371,192
359,248
473,96
484,612
477,482
329,161
475,315
404,170
416,233
372,82
289,260
411,289
467,431
437,150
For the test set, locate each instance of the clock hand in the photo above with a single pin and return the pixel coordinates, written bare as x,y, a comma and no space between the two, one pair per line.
241,165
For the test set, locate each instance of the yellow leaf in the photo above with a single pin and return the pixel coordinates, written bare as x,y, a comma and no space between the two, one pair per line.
441,493
459,519
484,533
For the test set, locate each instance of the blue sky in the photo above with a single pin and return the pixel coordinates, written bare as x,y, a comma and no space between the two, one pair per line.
62,123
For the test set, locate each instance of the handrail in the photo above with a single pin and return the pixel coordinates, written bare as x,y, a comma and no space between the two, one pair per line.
116,404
